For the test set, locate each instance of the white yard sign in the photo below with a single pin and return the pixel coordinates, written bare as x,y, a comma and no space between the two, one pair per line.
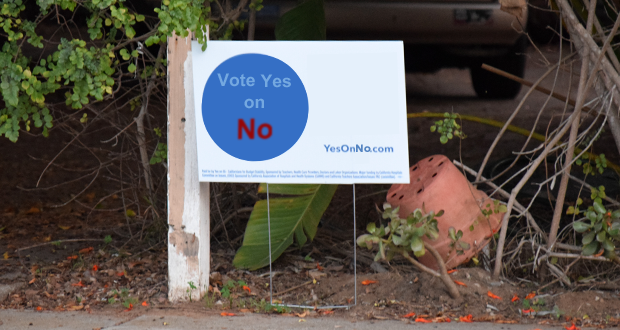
301,112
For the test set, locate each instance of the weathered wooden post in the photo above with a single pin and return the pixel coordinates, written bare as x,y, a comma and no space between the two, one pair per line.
188,199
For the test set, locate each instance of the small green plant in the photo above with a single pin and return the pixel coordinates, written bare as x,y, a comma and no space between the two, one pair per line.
557,312
277,309
459,246
209,300
601,227
107,239
160,155
448,128
496,209
122,297
190,289
600,164
258,305
230,288
403,235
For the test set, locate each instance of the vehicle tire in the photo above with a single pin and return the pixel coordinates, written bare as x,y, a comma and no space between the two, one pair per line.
492,86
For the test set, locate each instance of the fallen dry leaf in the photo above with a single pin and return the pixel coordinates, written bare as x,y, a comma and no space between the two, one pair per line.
39,308
145,304
120,273
316,274
423,320
514,298
302,320
95,268
78,284
130,308
75,308
368,282
64,227
531,295
572,327
327,312
490,294
460,283
318,266
227,314
86,250
441,319
304,314
452,271
410,315
134,264
72,257
32,280
246,288
527,311
33,210
6,255
467,319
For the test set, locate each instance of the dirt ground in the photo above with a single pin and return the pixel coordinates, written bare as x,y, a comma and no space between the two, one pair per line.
86,272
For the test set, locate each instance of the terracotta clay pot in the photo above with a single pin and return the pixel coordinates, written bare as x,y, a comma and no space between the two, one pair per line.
439,185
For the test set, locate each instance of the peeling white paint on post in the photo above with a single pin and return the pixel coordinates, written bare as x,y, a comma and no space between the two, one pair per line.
188,199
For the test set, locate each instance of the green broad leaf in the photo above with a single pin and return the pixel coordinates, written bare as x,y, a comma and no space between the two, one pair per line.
608,245
131,68
398,241
588,238
598,207
295,216
591,215
452,233
304,22
615,214
580,227
371,227
417,246
443,139
464,245
590,249
362,240
601,236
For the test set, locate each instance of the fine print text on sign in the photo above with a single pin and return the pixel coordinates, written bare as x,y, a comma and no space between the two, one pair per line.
301,112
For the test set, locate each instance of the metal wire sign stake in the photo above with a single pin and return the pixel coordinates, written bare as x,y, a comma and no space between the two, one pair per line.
354,263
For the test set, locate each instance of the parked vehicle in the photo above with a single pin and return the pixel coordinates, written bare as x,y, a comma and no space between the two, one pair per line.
436,34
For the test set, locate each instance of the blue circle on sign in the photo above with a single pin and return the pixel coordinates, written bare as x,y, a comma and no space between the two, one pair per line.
254,107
